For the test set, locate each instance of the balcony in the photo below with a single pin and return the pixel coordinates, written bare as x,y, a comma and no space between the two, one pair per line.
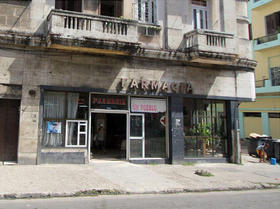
258,3
74,29
210,46
267,41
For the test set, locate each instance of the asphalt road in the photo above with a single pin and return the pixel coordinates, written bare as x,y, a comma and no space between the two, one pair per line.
264,199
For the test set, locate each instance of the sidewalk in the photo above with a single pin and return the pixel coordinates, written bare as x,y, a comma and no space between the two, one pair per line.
114,177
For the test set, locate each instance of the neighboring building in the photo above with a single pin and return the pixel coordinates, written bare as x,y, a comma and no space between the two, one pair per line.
263,116
146,80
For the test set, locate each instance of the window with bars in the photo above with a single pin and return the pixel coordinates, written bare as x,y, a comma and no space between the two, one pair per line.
145,11
200,14
275,76
273,23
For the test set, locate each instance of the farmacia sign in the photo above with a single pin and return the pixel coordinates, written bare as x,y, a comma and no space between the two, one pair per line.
155,86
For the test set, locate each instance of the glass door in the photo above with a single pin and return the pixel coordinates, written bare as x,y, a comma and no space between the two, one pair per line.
200,17
137,136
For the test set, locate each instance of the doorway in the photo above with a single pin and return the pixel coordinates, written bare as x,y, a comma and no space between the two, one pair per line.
70,5
112,8
9,125
108,135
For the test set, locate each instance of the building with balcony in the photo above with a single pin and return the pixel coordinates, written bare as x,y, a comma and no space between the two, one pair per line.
263,116
140,80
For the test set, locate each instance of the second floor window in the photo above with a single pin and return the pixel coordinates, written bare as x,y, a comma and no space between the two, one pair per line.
200,14
273,23
111,8
275,76
71,5
145,11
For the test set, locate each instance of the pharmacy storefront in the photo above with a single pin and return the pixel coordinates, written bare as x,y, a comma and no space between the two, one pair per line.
80,126
164,124
106,126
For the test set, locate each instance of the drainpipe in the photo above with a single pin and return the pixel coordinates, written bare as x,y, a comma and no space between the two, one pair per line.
165,25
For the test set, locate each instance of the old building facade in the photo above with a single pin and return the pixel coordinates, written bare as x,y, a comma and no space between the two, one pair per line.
263,116
141,80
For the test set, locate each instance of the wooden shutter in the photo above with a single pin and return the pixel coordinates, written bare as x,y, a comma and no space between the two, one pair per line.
77,5
59,4
118,8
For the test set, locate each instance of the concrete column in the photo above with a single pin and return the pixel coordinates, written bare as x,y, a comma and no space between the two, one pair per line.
215,16
265,124
229,13
233,132
176,128
29,111
28,131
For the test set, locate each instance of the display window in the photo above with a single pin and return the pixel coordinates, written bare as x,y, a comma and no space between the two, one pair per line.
65,119
204,128
148,128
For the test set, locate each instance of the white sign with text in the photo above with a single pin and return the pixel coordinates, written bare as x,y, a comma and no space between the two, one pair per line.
148,105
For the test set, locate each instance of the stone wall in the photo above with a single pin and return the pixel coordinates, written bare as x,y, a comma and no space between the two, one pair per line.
30,70
226,16
14,14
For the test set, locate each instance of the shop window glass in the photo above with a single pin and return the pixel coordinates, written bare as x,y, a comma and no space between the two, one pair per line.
204,128
136,148
148,128
155,141
58,108
136,126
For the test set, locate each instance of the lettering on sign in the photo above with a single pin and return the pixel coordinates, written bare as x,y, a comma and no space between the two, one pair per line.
108,102
148,105
156,86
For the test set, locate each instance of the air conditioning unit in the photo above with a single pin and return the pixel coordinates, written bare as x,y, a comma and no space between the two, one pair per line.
149,31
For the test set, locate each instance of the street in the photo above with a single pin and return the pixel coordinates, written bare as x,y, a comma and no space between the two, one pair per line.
268,199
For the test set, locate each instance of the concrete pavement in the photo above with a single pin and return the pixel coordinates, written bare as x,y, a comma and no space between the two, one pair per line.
115,177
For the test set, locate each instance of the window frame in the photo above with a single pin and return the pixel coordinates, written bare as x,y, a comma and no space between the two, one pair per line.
142,137
65,117
275,76
85,123
271,20
196,16
142,15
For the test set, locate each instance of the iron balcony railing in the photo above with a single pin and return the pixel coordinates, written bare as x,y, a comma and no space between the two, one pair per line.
267,38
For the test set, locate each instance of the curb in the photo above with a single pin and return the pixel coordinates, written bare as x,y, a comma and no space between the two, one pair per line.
88,193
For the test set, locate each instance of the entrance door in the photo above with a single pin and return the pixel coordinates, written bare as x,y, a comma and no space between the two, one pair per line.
137,136
9,124
108,134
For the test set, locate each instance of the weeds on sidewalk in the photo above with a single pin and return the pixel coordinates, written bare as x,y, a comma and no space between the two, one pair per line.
203,173
188,163
97,192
